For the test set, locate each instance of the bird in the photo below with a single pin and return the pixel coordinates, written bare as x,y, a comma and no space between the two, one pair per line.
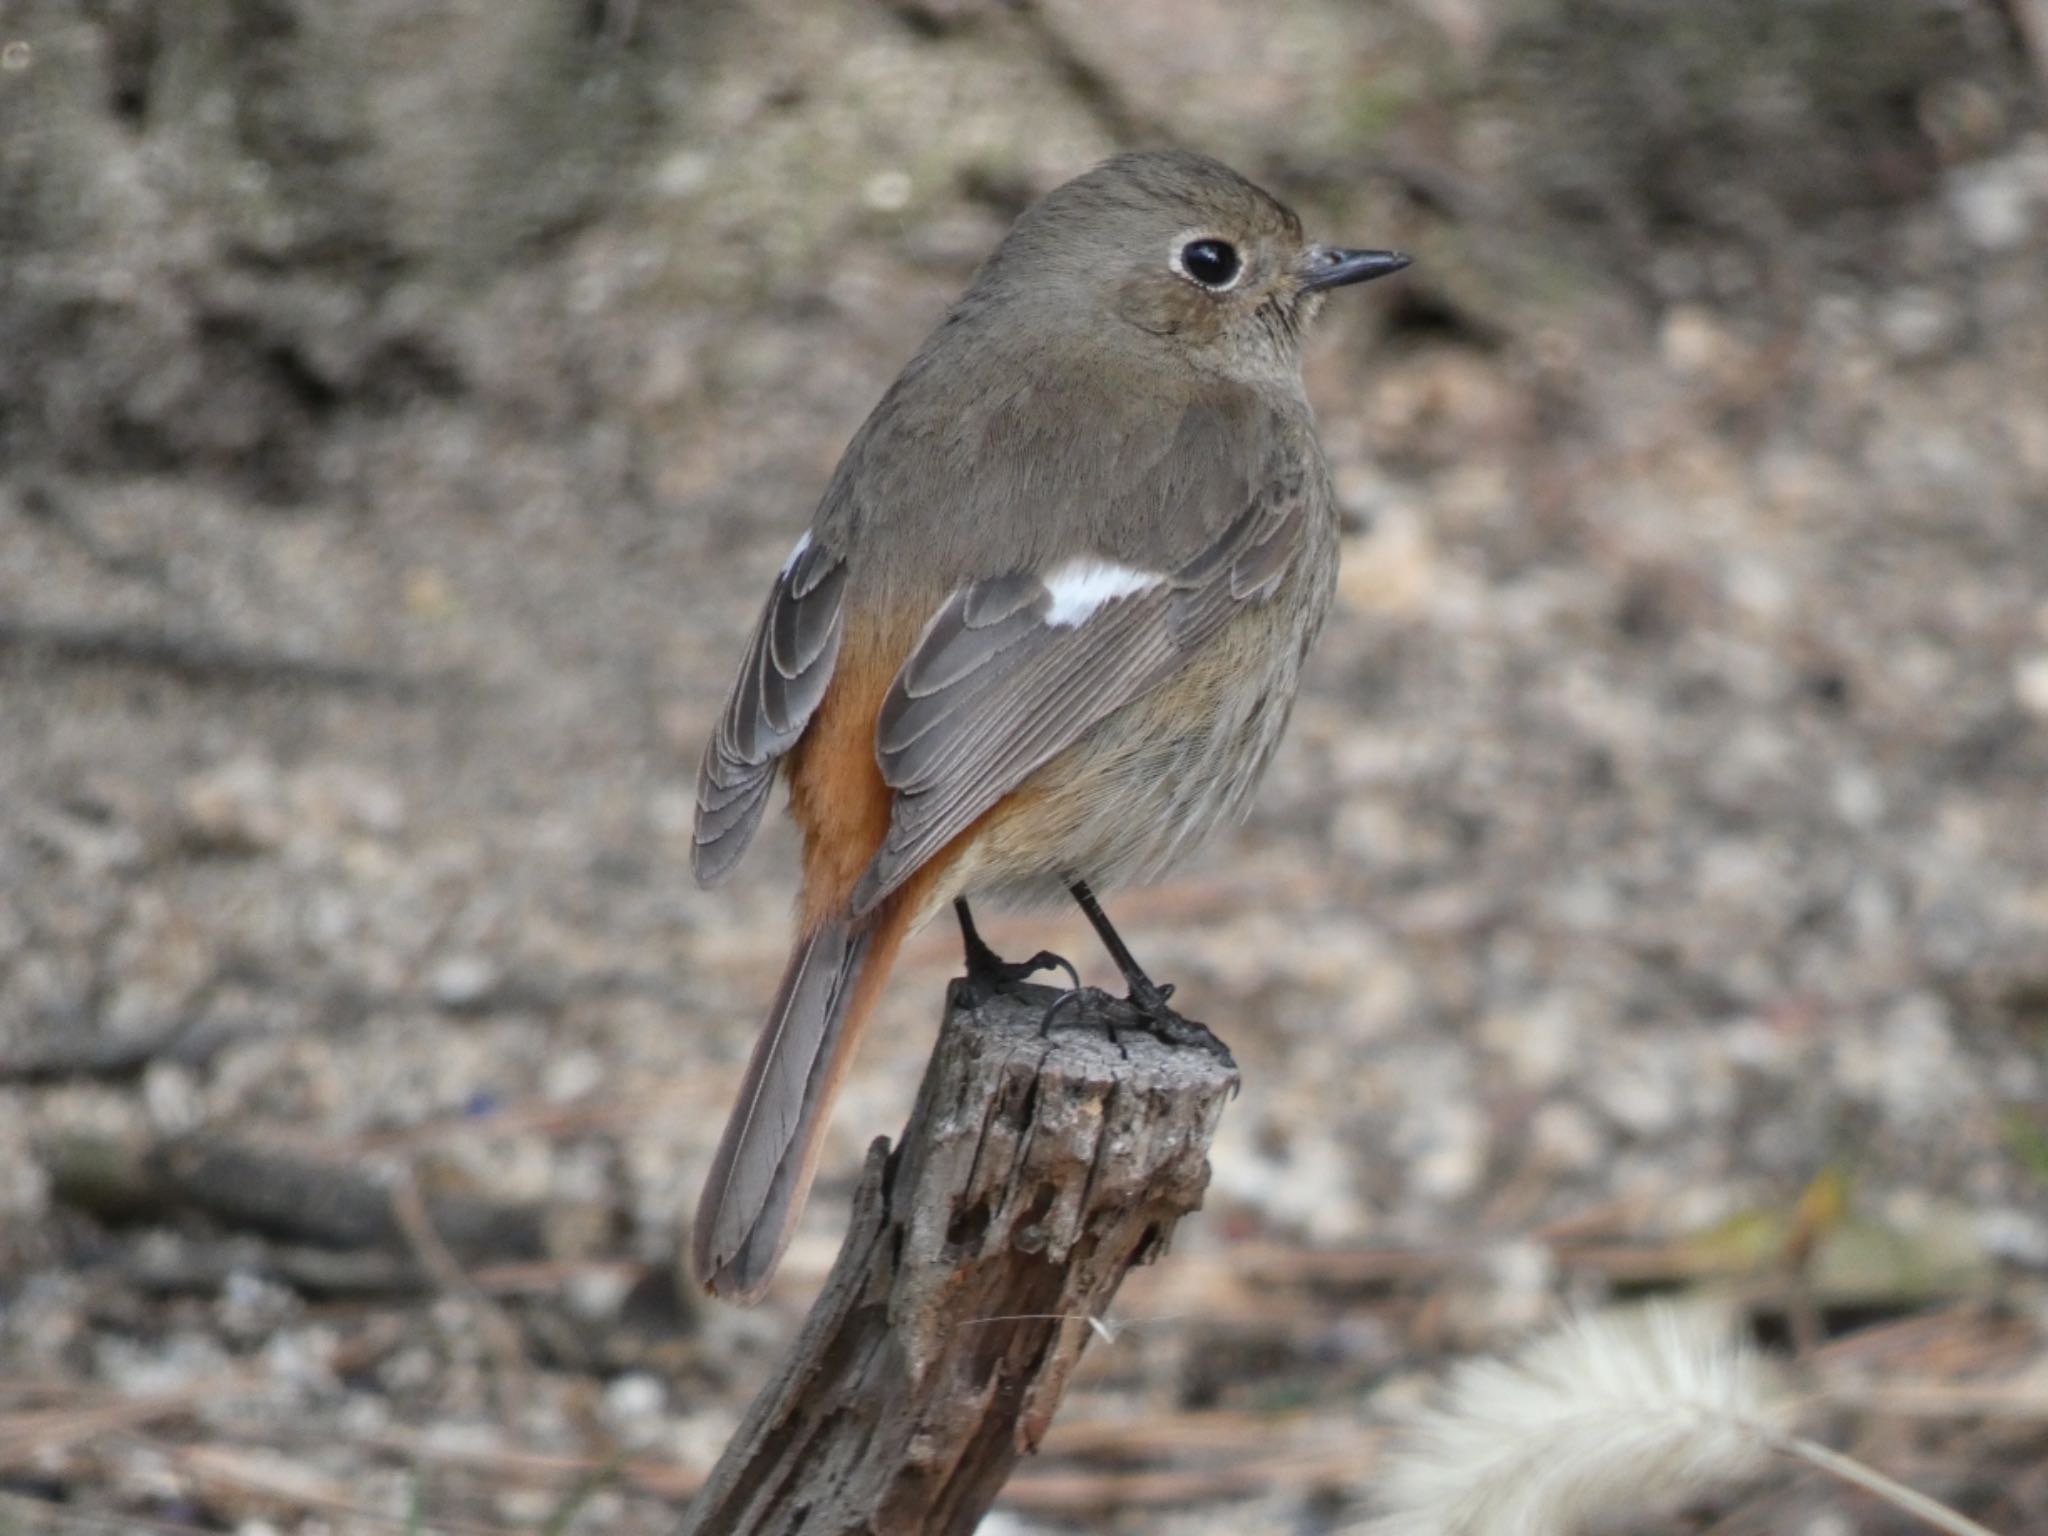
1044,631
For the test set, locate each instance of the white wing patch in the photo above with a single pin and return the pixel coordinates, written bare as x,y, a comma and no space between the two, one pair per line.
797,554
1080,587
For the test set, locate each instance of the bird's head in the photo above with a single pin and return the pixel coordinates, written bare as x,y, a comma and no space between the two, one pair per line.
1184,252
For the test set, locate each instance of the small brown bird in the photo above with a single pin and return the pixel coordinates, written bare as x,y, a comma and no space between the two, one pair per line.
1045,628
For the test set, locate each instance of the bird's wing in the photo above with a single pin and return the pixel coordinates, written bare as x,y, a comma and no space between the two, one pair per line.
780,683
1014,669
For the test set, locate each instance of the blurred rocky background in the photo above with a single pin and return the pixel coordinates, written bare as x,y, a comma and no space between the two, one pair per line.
403,405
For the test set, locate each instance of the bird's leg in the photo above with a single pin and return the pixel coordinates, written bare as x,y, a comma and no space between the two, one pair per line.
1147,996
1148,999
988,973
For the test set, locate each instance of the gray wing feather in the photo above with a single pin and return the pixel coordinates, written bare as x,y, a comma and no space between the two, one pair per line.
781,681
993,691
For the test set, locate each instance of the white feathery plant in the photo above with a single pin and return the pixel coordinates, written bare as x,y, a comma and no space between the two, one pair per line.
1604,1417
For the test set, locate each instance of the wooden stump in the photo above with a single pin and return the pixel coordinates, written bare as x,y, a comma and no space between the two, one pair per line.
1034,1173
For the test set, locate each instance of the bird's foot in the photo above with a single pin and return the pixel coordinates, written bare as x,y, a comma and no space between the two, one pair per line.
997,977
1154,1016
1148,1003
1145,1012
990,976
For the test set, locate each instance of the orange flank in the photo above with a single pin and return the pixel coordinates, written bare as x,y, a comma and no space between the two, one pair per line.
836,793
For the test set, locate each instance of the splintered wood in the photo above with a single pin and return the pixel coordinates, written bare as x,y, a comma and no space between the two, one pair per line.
1035,1172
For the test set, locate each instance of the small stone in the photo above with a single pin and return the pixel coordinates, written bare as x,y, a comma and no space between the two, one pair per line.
1445,1150
364,1414
302,1358
1859,798
2030,683
409,1370
428,596
887,191
633,1399
171,1094
463,983
1919,323
1906,1064
237,808
527,1509
1541,1045
683,173
464,1438
1563,1138
1696,345
251,1307
2019,1237
1638,1097
1524,1278
1993,203
572,1075
595,1295
24,1181
348,799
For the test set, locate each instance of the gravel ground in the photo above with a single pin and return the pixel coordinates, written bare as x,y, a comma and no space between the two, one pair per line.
1654,883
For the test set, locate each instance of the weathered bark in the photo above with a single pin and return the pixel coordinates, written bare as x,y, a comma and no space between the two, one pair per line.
1034,1173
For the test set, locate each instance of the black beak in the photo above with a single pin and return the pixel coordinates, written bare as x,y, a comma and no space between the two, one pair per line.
1326,266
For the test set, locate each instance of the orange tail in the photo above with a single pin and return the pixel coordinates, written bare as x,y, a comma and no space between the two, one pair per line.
769,1151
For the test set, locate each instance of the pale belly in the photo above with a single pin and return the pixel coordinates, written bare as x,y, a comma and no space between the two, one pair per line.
1145,786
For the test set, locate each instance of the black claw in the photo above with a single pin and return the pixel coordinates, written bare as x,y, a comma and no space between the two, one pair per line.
1148,997
1046,960
1052,1009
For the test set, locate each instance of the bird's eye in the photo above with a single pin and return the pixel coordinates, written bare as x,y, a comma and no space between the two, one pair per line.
1212,263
